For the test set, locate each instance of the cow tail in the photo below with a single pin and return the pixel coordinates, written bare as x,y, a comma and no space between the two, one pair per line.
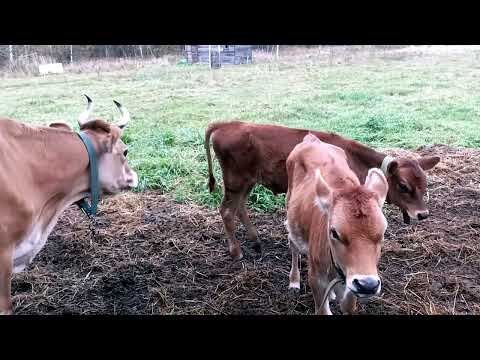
211,178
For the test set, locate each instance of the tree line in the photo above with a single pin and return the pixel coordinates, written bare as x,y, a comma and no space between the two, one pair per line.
72,53
75,53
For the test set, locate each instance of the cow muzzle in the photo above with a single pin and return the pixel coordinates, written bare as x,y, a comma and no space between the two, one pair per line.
364,286
417,215
422,215
132,180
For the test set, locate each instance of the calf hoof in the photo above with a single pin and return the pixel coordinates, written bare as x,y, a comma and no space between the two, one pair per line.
327,312
294,286
235,251
236,255
257,247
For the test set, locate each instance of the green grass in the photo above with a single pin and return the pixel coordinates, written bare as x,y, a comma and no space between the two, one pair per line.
383,103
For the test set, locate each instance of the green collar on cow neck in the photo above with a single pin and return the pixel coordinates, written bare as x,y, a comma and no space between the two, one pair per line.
90,209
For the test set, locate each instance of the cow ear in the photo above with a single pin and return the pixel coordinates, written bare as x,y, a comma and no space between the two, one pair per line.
111,139
60,125
377,183
426,163
323,197
108,144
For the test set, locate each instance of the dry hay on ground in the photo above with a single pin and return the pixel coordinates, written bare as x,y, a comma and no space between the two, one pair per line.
153,256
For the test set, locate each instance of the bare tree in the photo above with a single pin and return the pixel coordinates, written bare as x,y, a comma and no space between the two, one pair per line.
64,53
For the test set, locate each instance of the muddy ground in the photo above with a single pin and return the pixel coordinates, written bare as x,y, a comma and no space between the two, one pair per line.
153,256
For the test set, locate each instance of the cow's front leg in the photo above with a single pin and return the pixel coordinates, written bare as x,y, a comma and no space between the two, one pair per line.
317,284
294,275
228,210
6,264
252,233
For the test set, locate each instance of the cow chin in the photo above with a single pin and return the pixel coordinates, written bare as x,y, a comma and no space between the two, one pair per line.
360,295
112,190
117,187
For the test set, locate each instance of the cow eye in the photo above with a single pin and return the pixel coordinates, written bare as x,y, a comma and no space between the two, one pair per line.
403,188
125,152
334,234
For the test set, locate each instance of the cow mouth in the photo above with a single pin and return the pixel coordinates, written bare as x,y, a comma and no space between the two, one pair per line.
406,217
108,192
363,295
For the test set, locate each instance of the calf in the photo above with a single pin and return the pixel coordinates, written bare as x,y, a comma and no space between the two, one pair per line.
45,170
252,153
334,220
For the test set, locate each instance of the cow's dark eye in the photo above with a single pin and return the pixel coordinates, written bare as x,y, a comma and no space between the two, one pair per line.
125,152
334,234
403,188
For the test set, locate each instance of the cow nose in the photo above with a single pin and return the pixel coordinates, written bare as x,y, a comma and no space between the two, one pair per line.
132,181
366,285
422,215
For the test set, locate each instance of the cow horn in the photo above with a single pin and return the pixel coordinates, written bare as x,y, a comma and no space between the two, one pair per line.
83,118
125,115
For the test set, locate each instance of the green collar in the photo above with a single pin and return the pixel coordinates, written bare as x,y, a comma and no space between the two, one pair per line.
90,210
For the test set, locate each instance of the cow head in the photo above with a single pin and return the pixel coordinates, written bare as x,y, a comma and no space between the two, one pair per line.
356,227
114,172
407,184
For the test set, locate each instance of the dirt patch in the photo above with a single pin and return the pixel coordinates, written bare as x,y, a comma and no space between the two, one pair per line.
153,256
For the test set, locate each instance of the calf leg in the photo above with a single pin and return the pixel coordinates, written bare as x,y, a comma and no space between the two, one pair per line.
252,233
6,264
228,210
316,283
294,271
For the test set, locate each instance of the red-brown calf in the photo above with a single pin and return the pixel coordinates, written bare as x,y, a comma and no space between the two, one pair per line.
254,153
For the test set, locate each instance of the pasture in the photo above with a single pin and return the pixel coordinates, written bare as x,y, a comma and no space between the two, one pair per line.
163,250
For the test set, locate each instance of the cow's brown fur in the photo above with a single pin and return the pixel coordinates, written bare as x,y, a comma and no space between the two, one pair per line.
324,194
252,153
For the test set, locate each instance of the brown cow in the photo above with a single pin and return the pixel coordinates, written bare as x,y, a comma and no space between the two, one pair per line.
45,170
334,220
254,153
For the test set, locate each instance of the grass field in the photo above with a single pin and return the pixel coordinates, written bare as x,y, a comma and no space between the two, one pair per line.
382,98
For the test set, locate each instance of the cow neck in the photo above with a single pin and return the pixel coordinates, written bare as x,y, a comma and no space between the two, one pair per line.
90,209
64,171
362,158
369,158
